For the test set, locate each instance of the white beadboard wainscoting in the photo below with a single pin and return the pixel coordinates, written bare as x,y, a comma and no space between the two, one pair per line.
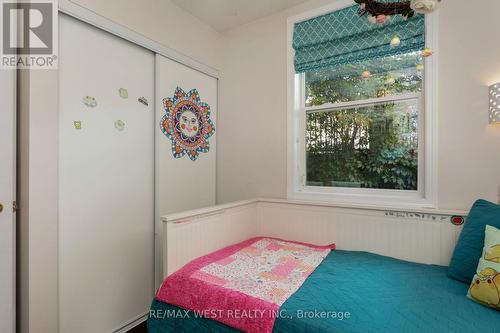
189,235
418,235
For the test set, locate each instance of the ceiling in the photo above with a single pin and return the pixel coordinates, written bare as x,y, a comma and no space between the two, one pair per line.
226,14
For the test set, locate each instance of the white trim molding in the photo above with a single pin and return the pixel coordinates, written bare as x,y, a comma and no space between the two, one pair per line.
70,8
8,256
189,216
426,196
189,235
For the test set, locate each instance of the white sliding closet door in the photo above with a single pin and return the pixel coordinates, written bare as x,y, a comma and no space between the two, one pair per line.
184,184
106,189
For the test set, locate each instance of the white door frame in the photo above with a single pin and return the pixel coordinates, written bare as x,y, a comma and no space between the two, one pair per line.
7,198
83,14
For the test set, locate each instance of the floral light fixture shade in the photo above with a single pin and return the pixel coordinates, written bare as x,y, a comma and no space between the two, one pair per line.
424,6
379,12
494,95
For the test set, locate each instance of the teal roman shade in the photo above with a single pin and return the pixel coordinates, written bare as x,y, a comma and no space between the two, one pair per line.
344,38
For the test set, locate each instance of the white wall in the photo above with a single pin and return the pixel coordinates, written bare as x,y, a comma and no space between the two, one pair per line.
252,116
469,149
163,22
252,119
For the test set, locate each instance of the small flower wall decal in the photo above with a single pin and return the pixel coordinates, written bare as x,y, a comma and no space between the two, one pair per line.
187,124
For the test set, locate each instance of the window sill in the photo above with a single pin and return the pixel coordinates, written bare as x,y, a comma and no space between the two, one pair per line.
365,198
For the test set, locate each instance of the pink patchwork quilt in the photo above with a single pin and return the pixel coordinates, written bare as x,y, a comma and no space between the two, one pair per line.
244,285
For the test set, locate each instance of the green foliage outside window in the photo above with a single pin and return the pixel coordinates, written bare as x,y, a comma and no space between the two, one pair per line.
369,146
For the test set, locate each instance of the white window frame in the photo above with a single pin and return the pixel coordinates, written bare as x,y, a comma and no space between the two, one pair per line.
426,195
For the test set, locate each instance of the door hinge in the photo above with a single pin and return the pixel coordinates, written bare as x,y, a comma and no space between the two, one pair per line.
15,207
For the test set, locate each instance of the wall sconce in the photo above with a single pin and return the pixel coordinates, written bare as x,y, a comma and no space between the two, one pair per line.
495,103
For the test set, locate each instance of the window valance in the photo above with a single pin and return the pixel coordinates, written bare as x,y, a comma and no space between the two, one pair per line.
342,37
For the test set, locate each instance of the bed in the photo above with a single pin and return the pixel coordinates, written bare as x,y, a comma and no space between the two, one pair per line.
353,291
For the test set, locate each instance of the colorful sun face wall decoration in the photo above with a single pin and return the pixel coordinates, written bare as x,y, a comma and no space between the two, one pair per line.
187,124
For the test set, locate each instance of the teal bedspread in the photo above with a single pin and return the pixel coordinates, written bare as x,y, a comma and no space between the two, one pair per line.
360,292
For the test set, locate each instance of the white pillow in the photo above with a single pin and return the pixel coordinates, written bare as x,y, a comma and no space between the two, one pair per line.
485,287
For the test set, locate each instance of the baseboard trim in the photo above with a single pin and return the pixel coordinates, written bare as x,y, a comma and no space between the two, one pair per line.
133,323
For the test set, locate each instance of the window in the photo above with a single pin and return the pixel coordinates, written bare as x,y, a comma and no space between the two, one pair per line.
367,134
360,118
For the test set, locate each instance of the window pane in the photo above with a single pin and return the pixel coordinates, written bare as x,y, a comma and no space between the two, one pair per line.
388,76
365,147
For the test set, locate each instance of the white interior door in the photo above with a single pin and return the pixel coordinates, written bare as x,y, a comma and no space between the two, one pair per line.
184,183
106,184
7,195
